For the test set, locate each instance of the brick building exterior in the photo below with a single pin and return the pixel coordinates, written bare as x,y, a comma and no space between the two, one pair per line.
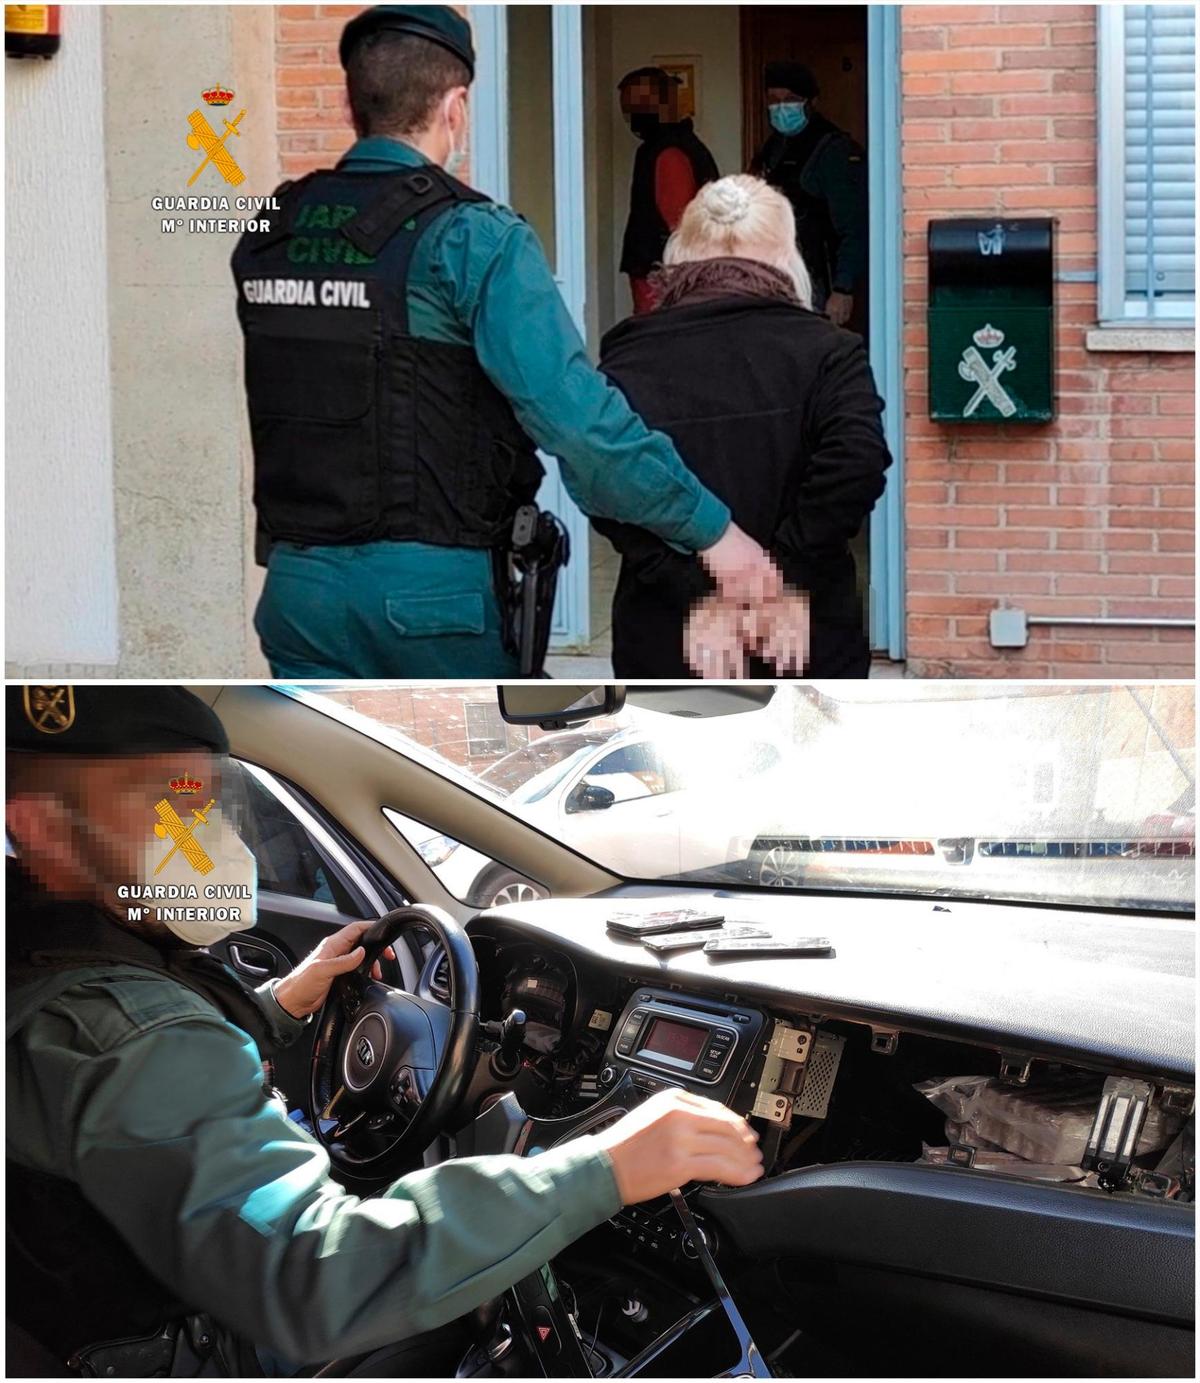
1091,515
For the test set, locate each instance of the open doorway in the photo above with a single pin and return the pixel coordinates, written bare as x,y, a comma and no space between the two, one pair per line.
563,156
722,50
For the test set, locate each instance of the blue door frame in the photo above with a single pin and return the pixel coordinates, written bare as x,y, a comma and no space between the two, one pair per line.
571,627
886,320
490,174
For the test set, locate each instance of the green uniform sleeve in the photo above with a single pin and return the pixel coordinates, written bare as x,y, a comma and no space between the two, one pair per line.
284,1026
613,465
840,176
230,1203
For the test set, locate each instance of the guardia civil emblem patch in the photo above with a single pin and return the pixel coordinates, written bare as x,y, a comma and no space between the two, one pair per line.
50,709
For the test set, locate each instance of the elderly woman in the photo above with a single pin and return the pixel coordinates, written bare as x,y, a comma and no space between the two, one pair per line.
776,411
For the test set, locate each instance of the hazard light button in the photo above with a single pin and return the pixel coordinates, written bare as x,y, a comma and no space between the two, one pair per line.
543,1328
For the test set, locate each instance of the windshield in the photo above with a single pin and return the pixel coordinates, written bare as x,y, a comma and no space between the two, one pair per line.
1022,791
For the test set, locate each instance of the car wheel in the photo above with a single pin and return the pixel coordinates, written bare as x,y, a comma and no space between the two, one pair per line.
510,888
781,868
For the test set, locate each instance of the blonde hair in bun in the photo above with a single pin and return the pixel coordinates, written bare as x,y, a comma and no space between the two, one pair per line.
744,218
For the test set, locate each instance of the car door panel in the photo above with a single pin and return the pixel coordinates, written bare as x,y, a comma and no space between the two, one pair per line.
309,888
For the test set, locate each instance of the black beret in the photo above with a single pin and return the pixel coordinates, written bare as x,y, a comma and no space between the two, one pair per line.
85,718
437,23
792,76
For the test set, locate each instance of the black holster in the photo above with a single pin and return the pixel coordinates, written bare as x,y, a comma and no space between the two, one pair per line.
526,577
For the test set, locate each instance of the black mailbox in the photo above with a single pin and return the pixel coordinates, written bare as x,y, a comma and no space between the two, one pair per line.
991,320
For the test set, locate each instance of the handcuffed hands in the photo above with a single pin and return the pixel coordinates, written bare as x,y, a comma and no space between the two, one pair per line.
720,636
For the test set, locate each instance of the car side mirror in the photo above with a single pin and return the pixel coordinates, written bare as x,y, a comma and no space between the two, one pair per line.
591,797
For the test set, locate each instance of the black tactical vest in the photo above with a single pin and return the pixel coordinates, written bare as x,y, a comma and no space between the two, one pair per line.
646,231
361,430
787,162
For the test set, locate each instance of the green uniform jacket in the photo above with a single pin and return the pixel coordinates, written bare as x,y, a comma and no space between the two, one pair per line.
140,1092
479,278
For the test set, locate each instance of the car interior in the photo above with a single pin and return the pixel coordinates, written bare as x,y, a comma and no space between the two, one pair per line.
977,1116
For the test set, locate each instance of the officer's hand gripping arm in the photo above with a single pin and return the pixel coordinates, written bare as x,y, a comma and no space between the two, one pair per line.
612,464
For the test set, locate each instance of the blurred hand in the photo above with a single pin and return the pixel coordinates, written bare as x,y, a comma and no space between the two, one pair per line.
778,631
742,570
839,307
713,643
676,1137
304,990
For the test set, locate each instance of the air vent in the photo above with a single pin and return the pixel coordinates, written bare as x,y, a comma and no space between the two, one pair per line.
439,979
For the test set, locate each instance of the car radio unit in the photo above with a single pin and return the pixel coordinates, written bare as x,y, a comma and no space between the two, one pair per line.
688,1044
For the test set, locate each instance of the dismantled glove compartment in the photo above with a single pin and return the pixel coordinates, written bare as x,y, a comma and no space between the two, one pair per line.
865,1094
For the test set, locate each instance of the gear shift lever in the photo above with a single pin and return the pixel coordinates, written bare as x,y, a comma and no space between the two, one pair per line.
511,1036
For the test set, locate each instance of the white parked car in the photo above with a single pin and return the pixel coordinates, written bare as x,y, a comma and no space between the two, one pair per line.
627,795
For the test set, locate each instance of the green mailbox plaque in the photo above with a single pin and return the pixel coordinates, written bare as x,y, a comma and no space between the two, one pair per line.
991,320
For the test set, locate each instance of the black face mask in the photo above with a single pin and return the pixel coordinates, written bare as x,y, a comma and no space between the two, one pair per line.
643,124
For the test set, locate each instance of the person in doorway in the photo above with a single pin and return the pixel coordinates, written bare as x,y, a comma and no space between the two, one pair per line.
671,166
406,354
159,1197
822,172
776,410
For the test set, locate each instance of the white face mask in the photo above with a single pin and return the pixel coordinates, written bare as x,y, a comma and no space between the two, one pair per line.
228,891
203,874
457,157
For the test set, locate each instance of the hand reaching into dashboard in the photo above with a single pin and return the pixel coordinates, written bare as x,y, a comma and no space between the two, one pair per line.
676,1137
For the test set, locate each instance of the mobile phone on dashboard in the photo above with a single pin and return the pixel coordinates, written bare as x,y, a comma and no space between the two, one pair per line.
682,941
768,946
669,920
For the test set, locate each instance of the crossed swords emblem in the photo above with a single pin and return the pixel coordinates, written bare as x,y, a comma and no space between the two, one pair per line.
973,368
170,823
204,137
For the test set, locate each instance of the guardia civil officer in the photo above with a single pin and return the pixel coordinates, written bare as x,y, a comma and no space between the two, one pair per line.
822,171
406,350
152,1181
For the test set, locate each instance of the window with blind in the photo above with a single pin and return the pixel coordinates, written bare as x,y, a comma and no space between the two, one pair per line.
1147,163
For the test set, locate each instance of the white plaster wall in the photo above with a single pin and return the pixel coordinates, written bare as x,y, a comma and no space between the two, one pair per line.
180,435
60,566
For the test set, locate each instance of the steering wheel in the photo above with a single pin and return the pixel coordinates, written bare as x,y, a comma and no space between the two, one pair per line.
389,1068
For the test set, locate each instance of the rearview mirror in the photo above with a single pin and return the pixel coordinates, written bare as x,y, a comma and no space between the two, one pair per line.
557,705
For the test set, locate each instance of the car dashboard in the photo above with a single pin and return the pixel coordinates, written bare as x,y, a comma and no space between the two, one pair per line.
924,1094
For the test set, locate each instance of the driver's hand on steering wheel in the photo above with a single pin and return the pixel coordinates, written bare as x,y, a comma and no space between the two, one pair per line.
304,990
675,1137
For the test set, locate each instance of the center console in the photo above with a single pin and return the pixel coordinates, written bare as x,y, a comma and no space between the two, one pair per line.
590,1324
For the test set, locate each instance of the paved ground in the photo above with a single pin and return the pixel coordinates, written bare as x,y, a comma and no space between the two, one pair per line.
571,667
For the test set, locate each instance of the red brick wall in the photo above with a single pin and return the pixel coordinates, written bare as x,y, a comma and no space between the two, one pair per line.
1093,513
310,86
